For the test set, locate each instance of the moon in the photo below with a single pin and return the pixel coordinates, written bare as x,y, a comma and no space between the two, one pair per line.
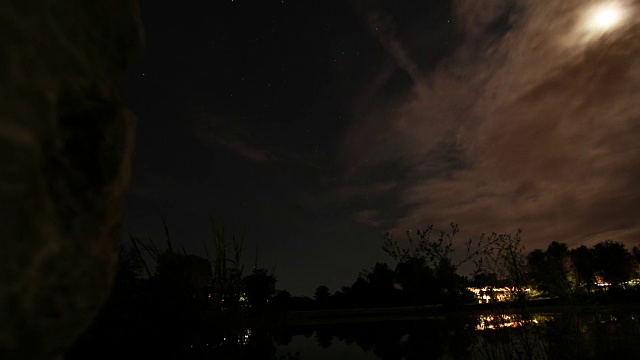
607,17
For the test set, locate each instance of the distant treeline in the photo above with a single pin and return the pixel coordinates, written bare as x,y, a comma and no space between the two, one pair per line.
560,271
422,277
423,273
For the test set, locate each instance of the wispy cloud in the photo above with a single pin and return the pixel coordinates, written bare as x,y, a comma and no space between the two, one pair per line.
531,123
231,135
370,218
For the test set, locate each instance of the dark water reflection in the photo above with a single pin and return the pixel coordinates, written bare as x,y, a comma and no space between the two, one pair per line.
603,334
567,335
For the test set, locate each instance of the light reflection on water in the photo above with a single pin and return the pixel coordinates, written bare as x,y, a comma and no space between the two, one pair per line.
503,321
606,333
243,339
480,336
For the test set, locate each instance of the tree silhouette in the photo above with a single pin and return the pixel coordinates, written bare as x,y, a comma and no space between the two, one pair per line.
417,281
181,277
360,294
259,286
584,267
559,265
636,253
381,284
550,270
504,257
615,264
342,298
536,260
425,270
129,266
321,296
282,300
482,279
452,287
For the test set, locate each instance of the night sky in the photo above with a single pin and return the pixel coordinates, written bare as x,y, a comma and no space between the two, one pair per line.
314,127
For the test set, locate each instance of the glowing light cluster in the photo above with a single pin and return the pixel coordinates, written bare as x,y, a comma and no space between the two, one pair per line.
489,294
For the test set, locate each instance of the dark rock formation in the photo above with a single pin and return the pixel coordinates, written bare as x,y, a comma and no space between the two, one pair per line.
65,157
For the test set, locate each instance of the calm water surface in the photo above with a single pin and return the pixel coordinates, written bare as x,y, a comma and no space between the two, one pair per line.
600,335
612,333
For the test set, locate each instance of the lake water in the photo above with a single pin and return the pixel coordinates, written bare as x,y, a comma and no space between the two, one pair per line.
456,337
607,334
601,333
308,348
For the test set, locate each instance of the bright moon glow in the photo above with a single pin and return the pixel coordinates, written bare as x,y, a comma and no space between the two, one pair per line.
607,17
600,18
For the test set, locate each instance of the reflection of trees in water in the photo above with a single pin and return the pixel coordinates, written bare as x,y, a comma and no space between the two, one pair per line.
595,334
400,339
241,343
190,339
571,334
324,338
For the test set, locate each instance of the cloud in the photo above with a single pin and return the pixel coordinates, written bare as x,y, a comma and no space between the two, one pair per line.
231,135
370,218
345,196
383,27
533,122
248,151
